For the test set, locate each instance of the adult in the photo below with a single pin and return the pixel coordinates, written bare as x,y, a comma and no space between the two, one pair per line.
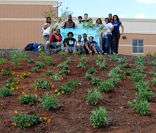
86,18
110,17
86,44
106,36
80,19
55,41
116,33
80,45
70,43
69,23
99,22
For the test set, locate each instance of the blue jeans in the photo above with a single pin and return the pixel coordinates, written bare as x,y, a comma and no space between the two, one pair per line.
107,43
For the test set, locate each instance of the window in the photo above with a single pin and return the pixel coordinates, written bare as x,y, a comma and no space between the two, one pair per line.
138,46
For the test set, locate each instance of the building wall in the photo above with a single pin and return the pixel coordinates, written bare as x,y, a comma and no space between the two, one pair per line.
149,43
20,23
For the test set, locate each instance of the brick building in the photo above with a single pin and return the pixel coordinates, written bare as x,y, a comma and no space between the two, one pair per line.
20,23
21,20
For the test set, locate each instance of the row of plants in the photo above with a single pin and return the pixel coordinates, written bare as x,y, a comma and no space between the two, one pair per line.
99,117
141,104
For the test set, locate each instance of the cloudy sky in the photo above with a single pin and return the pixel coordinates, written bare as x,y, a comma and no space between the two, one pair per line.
123,8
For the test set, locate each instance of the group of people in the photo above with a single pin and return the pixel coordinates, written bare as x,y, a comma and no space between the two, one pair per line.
109,36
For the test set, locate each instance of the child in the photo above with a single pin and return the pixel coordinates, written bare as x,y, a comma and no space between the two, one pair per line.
69,23
80,45
70,43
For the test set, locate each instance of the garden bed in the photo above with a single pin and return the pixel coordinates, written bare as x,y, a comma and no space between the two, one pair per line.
73,114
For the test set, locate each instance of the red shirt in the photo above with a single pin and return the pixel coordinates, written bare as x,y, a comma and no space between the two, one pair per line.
54,39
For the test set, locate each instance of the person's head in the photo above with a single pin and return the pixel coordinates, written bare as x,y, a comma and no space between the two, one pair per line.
80,19
99,21
48,20
70,35
110,16
85,16
70,18
79,37
116,18
91,38
84,36
107,20
56,31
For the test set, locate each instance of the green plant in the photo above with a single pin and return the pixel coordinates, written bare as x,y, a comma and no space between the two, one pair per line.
101,62
91,70
18,56
56,77
48,60
137,76
5,92
83,62
69,87
26,121
153,63
93,97
2,61
40,65
99,117
140,106
28,99
7,72
154,81
140,61
42,84
30,61
96,81
108,85
50,103
88,76
12,83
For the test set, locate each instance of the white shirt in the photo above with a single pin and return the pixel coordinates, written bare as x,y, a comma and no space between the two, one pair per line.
108,27
46,31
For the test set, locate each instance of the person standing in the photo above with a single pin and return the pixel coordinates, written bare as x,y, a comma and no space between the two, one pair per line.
69,23
106,37
116,34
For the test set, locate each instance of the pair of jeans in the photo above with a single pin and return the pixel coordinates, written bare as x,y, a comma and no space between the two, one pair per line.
55,48
115,43
107,43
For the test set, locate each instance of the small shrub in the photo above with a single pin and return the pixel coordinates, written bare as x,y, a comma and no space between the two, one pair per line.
50,102
56,77
83,62
153,63
99,117
42,84
12,84
140,61
48,60
5,92
92,70
88,76
69,87
140,106
101,62
40,65
28,99
2,61
17,57
137,76
145,94
108,85
7,72
154,82
93,97
26,121
96,81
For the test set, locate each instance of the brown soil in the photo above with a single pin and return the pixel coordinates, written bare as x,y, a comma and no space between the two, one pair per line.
73,117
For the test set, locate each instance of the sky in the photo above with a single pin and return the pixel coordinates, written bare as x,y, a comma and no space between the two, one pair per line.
101,8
